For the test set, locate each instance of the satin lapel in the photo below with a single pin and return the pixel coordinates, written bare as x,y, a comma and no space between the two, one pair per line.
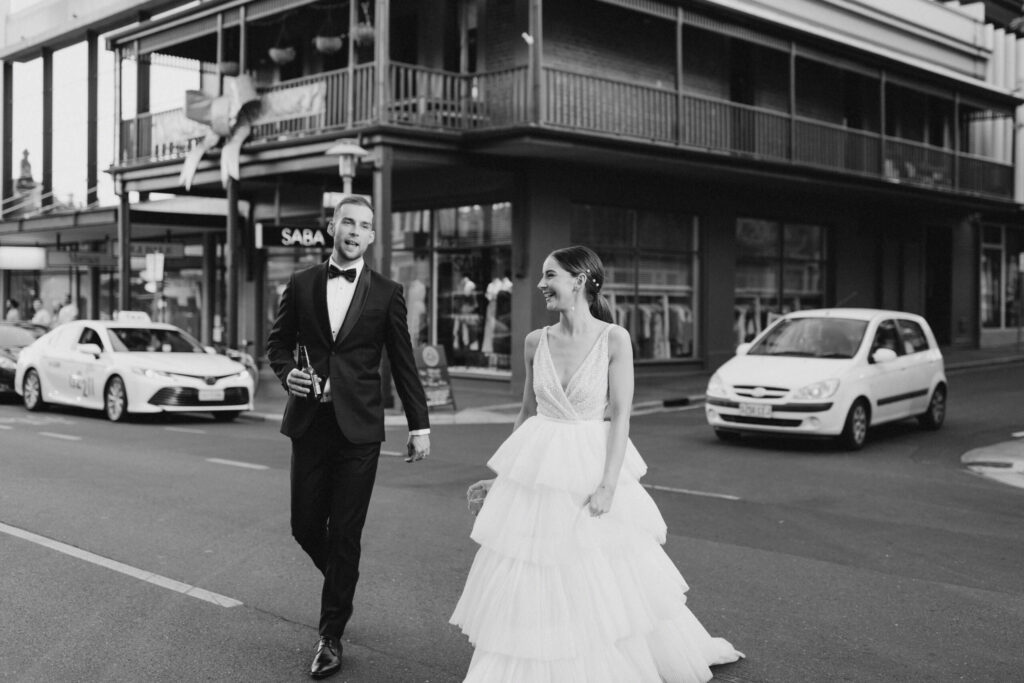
355,309
323,320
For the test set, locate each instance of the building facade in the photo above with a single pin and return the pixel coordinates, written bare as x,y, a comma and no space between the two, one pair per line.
730,160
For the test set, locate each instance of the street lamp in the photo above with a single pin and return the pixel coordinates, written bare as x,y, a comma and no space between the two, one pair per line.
349,152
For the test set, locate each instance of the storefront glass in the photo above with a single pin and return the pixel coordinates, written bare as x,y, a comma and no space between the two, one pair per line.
779,268
454,263
651,268
1001,255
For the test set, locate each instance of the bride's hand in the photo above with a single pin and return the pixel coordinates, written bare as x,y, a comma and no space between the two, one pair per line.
476,493
600,501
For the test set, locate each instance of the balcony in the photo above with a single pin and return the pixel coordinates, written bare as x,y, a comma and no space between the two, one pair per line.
421,99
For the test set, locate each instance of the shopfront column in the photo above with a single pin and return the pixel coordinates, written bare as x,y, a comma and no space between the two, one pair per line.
232,263
209,302
7,165
124,259
47,170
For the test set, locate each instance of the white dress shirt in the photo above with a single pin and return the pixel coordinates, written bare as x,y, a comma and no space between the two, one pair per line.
339,299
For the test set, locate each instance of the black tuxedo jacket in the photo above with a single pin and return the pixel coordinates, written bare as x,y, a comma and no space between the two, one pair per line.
376,320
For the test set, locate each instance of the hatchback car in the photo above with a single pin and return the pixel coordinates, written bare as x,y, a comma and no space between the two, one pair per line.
130,366
14,336
830,372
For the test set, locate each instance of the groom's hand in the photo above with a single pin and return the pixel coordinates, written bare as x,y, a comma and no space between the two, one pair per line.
417,448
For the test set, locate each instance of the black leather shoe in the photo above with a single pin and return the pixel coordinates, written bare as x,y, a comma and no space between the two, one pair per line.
327,659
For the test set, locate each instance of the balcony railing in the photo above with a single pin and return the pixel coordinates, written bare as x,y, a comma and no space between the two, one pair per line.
421,98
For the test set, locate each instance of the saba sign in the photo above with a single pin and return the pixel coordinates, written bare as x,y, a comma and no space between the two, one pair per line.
295,236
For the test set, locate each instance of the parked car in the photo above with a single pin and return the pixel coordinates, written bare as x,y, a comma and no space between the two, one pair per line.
830,372
14,336
130,365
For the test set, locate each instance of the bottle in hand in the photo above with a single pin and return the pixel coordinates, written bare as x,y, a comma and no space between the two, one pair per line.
316,391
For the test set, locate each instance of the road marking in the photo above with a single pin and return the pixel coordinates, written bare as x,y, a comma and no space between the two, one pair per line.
185,430
55,435
6,427
236,463
393,454
141,574
665,409
706,494
1017,434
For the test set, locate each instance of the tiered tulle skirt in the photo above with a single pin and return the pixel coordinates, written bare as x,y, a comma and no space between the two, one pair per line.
557,596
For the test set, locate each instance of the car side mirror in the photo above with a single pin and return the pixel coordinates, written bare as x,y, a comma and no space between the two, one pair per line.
91,349
742,349
883,355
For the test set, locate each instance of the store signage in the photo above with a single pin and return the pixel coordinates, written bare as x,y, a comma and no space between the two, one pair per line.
168,249
79,258
295,236
432,367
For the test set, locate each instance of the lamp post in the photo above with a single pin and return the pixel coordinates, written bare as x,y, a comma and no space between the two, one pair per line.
349,153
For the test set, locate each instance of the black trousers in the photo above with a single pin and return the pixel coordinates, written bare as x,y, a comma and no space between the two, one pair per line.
332,479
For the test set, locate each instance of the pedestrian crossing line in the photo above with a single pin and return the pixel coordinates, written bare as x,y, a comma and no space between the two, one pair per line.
237,463
6,427
65,437
185,430
1017,435
689,492
128,570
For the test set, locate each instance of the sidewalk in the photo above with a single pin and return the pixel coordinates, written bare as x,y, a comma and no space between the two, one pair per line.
481,401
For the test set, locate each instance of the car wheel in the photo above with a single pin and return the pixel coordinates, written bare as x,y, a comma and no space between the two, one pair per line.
32,392
727,435
226,415
855,431
115,400
936,413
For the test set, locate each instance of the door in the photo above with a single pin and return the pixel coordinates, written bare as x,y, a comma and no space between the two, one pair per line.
888,380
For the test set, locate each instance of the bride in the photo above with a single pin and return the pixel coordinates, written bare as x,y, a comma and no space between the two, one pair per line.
570,584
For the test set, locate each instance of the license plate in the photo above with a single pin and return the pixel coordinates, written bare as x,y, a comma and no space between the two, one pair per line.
755,410
211,394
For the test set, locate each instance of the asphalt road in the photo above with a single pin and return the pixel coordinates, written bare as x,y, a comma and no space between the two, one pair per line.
891,564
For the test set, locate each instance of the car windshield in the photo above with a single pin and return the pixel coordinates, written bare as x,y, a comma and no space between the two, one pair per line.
153,340
13,336
811,338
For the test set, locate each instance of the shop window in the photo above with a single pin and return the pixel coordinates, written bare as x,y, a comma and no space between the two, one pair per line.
779,268
1002,253
454,263
650,261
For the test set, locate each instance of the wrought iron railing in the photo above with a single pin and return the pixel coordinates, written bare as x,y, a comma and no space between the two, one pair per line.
422,98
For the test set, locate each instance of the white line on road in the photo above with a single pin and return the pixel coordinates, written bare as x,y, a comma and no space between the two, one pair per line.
141,574
1017,434
55,435
236,463
185,430
723,496
6,427
393,454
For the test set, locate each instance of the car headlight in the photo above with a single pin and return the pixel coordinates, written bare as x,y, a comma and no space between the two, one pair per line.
818,390
716,387
151,373
244,374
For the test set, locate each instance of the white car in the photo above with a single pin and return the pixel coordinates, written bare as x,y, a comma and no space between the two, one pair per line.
130,366
830,372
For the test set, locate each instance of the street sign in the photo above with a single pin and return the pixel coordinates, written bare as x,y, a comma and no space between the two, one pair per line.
273,235
432,367
79,258
168,249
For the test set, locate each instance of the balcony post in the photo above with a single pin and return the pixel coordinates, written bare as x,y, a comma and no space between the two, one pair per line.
91,120
680,102
381,45
792,101
232,263
243,64
881,124
956,141
118,124
350,85
7,165
47,160
124,251
536,53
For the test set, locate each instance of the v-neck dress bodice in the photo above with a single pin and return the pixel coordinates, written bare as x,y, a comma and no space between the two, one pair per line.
585,397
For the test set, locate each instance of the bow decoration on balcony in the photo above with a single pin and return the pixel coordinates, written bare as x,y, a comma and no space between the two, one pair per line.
229,116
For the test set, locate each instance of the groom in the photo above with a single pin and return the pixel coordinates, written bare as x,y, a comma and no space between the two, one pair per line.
344,314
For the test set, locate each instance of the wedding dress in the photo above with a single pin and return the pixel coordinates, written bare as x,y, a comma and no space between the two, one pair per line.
555,595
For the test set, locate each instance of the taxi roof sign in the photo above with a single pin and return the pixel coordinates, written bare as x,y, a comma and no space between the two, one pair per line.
132,317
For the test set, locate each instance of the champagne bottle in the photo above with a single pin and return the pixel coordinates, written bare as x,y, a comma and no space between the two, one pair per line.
316,391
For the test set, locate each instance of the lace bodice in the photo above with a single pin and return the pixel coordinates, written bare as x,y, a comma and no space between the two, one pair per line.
586,395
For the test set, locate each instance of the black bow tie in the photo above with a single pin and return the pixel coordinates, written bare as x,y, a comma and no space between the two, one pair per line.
348,273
